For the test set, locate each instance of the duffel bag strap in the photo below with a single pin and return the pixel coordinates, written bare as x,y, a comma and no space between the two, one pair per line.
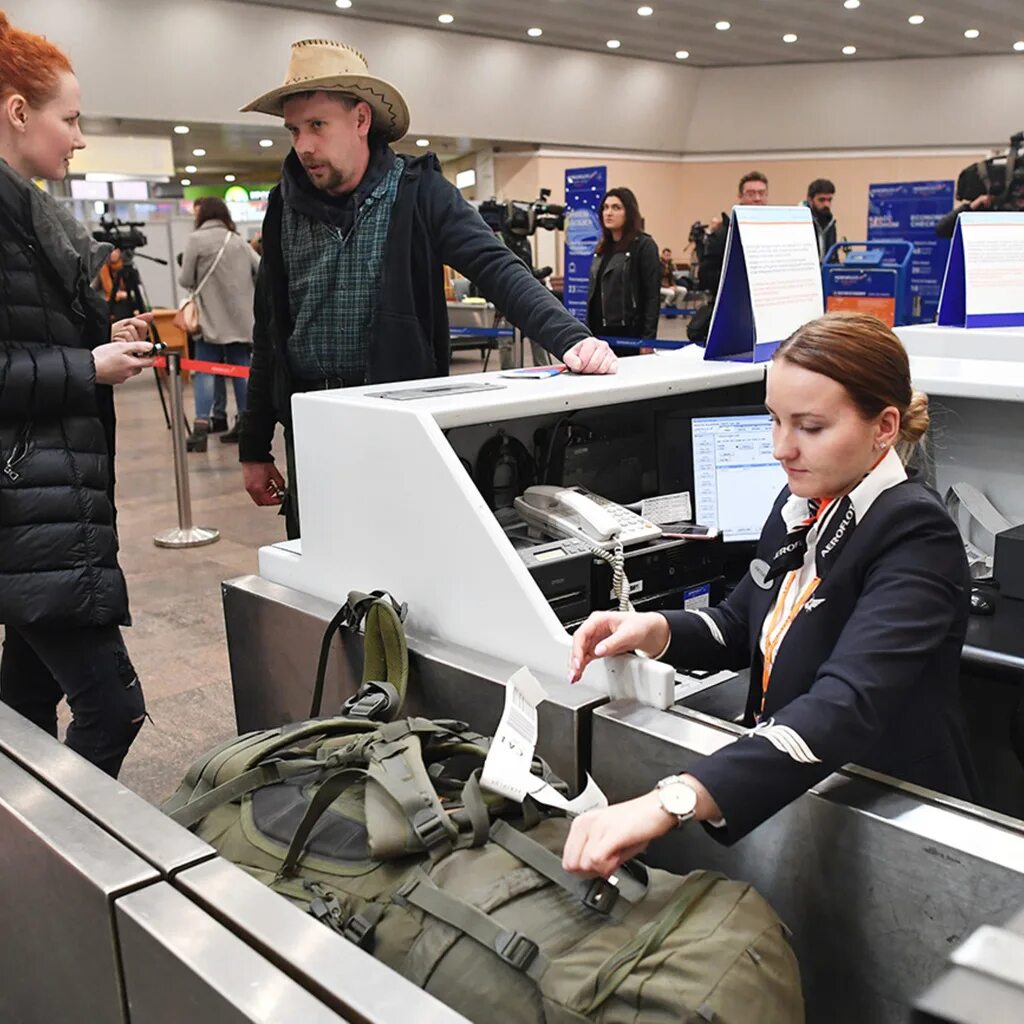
597,894
515,948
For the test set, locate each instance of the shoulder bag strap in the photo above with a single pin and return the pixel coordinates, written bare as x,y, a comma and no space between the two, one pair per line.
206,277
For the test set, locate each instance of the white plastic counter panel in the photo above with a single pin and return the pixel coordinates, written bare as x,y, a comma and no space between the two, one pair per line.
991,379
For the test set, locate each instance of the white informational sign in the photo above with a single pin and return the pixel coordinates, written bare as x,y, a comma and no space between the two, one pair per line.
771,282
783,269
507,768
993,263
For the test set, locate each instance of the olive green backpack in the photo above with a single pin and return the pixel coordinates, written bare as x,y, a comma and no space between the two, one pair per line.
381,830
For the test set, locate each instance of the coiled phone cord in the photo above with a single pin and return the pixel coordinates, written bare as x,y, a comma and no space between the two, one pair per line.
616,558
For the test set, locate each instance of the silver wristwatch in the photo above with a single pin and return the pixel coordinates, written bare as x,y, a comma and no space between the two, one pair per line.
677,798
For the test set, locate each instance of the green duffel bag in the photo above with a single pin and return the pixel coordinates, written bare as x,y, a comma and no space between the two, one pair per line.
382,832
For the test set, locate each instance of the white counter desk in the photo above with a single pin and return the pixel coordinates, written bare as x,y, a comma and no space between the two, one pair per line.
386,503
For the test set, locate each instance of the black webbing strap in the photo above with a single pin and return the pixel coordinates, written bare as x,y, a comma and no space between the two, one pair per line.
597,894
516,949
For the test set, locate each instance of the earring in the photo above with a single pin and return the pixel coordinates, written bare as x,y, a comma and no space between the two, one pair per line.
881,446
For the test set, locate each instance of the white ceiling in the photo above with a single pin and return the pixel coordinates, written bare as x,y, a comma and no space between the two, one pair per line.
878,28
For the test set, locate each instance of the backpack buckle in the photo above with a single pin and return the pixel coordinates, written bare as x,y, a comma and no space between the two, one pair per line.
372,701
600,896
516,949
359,932
429,829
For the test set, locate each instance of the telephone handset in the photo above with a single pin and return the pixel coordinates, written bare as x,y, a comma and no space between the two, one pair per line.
574,512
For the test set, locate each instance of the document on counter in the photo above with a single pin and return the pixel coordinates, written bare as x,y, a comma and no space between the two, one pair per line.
984,282
771,282
507,770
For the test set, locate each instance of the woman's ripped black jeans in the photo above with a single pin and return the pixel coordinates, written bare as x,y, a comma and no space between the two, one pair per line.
91,668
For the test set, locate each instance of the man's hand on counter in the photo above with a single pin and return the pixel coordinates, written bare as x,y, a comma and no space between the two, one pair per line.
591,355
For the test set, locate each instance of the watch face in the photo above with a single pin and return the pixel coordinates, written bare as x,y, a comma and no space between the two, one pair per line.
678,798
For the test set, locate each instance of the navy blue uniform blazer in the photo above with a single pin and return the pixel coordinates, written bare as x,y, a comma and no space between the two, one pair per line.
868,671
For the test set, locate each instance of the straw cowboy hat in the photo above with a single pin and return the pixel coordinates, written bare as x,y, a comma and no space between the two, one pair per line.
324,64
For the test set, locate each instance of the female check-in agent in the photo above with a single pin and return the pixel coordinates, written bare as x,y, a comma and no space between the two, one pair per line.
851,618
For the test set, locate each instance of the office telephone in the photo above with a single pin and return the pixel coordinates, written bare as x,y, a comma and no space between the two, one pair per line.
575,512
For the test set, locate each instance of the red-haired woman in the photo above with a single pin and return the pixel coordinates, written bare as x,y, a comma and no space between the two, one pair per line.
851,618
62,594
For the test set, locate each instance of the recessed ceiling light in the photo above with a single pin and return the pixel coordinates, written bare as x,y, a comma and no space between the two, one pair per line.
191,168
723,26
645,11
535,32
343,4
199,152
1019,45
423,143
266,143
186,181
971,33
916,19
790,37
849,51
229,177
181,129
851,5
682,54
613,44
446,19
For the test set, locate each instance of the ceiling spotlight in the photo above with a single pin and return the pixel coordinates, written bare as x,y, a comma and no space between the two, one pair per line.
343,4
645,11
181,129
229,177
682,54
191,168
423,143
971,33
446,19
916,19
535,32
851,5
1019,45
186,181
723,26
790,37
849,51
199,152
613,44
266,143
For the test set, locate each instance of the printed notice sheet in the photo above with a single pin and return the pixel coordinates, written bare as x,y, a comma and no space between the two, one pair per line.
993,263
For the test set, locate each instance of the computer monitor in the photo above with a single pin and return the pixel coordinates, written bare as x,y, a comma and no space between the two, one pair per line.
724,457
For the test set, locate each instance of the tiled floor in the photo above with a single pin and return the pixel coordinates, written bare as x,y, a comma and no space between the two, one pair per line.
177,641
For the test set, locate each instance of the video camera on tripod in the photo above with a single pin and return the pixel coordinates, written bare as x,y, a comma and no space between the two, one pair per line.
121,234
999,176
522,218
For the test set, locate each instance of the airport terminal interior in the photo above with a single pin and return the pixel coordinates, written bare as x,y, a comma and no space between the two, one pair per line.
569,499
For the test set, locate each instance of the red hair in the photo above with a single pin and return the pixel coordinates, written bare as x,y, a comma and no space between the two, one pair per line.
30,65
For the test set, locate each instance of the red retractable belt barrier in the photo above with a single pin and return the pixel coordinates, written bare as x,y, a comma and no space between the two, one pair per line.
199,366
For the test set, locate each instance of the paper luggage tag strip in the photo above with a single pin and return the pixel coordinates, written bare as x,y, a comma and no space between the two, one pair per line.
507,768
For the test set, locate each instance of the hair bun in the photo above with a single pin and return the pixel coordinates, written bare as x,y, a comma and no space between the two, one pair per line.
914,422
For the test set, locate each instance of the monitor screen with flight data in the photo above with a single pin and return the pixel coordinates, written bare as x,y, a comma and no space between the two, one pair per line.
735,478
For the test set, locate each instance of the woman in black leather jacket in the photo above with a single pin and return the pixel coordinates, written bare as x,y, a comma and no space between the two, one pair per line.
62,593
625,295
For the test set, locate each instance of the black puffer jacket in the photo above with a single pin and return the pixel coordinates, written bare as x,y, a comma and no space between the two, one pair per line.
58,544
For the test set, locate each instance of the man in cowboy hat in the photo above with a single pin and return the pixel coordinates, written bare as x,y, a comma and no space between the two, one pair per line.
355,238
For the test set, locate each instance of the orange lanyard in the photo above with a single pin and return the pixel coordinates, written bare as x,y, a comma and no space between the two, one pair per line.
775,633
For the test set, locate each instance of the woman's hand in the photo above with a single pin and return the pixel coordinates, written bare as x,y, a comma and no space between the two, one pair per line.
600,842
607,633
134,328
119,360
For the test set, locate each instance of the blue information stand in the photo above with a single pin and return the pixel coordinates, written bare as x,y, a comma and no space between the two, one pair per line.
909,211
584,189
873,279
954,305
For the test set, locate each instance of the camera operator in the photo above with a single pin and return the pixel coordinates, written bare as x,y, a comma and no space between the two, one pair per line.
62,595
355,239
945,227
993,184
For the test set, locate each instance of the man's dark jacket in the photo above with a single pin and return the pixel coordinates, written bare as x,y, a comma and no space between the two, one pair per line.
431,225
58,544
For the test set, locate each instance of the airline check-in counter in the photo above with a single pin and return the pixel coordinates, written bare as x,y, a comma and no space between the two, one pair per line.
416,494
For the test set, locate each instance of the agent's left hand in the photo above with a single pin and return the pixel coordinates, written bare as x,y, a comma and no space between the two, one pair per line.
591,355
600,842
134,328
